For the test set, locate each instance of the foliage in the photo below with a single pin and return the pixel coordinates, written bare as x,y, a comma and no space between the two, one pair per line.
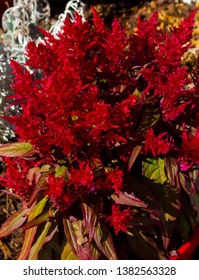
106,162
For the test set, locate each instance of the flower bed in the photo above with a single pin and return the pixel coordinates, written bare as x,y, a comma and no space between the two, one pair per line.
106,158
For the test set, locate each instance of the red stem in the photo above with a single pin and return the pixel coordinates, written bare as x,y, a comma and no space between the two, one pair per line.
186,251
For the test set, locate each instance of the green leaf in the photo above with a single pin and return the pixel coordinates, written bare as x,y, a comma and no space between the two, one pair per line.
128,199
74,232
154,169
90,219
95,253
14,222
37,208
27,243
89,222
103,240
137,93
38,191
39,242
31,232
189,184
168,196
49,237
98,231
171,169
52,248
49,230
19,149
184,183
74,118
42,180
45,168
193,175
37,221
70,235
150,116
67,253
49,247
60,171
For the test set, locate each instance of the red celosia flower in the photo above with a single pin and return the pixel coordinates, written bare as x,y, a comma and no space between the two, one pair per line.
86,98
15,178
98,120
82,179
60,196
172,46
120,220
114,180
189,150
174,93
64,108
115,46
142,44
156,145
123,110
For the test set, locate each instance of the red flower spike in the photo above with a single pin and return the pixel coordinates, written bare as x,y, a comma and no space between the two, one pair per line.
189,151
15,177
156,145
82,179
114,180
173,45
147,30
120,220
58,193
98,22
115,46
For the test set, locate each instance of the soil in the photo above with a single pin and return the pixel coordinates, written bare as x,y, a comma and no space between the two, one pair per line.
9,246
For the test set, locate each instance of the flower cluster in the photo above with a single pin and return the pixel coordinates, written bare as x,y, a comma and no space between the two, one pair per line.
120,220
156,145
92,96
189,149
16,178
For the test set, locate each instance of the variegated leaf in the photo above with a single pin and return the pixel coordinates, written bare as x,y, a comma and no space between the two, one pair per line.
14,222
18,149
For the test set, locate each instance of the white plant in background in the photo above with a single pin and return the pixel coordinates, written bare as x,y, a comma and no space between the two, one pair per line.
16,23
72,7
6,129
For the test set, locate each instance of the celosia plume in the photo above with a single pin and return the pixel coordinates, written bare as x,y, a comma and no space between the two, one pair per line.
92,96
